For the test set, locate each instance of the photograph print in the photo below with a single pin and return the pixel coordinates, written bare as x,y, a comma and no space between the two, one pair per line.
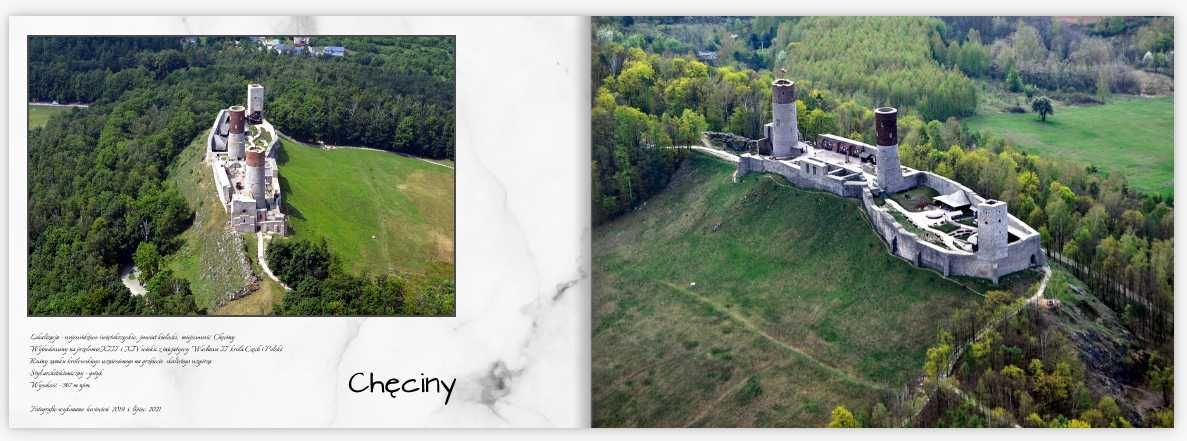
241,175
882,221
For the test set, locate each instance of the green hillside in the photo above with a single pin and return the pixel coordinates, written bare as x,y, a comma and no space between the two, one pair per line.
210,256
1134,136
379,211
752,304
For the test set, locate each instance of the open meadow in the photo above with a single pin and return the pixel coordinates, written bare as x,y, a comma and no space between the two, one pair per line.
380,212
1133,136
753,304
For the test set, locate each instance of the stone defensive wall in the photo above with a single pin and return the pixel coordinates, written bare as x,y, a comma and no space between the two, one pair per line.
211,139
806,173
946,186
214,143
1023,252
270,151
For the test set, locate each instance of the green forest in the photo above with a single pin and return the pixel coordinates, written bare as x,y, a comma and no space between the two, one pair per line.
662,81
312,99
98,193
322,287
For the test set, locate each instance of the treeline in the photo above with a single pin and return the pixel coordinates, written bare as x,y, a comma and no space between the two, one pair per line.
418,55
380,100
321,287
1055,55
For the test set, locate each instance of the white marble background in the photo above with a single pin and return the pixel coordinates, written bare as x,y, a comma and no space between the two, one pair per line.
519,345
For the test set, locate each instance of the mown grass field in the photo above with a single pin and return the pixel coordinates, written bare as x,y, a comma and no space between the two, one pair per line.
796,307
380,212
39,115
1133,136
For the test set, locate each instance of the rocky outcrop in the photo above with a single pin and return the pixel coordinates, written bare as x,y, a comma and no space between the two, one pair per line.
730,141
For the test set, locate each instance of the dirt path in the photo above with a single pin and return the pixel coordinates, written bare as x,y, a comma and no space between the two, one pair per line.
81,106
733,389
260,247
1038,295
758,331
418,158
720,154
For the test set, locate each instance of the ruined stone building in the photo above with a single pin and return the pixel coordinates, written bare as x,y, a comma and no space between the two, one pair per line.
956,232
241,150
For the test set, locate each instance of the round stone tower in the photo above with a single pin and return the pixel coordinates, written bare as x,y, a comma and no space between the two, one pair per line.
785,132
235,132
889,169
886,124
255,175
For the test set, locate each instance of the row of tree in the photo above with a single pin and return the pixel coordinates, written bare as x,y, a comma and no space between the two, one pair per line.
1052,54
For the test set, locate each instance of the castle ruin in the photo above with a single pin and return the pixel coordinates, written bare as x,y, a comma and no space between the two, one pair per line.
955,232
241,150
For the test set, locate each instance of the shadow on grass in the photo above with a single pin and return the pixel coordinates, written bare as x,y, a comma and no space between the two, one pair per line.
289,210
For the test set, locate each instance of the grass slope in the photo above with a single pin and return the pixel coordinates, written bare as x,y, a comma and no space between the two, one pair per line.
260,301
1133,136
797,307
210,257
39,115
348,196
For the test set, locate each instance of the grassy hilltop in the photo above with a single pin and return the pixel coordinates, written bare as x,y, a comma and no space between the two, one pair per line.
379,211
796,307
344,196
1133,136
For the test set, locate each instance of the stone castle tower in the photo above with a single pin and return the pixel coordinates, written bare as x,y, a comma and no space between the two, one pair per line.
784,130
235,133
255,175
255,103
992,230
889,169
